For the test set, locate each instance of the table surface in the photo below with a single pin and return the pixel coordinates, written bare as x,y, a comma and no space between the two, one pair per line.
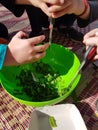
15,116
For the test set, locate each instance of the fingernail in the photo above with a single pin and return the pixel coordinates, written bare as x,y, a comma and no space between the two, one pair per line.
96,33
62,1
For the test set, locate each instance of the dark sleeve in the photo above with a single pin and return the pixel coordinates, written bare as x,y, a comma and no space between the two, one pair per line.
17,10
93,14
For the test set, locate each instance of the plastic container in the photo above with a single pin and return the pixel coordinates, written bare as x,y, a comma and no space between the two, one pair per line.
57,117
61,60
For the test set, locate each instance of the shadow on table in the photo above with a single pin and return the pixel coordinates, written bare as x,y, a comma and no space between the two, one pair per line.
87,88
89,115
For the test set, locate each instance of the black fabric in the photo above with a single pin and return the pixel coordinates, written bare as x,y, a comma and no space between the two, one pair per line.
37,18
17,10
66,20
3,31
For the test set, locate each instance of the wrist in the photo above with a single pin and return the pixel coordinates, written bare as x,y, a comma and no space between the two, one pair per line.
86,5
22,2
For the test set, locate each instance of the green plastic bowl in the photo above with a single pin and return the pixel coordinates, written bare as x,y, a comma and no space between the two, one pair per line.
61,60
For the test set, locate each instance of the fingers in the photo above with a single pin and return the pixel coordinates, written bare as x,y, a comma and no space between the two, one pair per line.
28,50
91,34
58,14
44,7
40,48
96,57
92,41
36,40
39,52
91,38
54,1
59,10
38,56
56,11
21,34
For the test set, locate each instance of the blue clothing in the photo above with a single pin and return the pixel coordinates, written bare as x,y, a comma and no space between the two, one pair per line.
3,48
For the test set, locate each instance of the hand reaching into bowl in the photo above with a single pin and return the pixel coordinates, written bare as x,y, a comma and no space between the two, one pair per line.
21,51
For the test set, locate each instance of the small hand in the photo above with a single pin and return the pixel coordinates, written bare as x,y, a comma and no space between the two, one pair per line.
91,39
68,7
21,51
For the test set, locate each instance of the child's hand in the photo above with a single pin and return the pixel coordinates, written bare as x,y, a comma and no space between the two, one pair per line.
21,51
91,39
67,7
42,4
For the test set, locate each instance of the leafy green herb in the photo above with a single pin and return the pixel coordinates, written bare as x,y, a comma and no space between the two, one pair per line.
46,87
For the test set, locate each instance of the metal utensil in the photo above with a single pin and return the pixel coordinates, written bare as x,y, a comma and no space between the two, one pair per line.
97,105
34,77
88,56
52,21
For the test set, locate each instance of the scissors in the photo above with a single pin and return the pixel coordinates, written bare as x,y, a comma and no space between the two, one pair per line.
88,57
